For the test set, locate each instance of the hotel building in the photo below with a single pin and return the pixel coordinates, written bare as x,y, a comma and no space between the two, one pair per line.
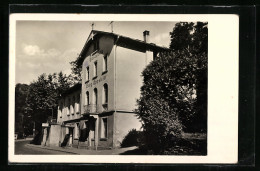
99,112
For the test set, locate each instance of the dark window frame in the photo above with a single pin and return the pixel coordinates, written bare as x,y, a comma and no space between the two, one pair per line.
105,91
87,97
95,70
87,72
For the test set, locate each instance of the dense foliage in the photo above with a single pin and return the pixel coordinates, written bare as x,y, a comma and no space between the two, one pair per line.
174,94
21,125
77,68
133,138
190,36
42,100
39,100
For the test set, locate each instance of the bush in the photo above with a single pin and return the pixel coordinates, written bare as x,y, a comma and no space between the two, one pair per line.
20,135
37,139
133,138
183,146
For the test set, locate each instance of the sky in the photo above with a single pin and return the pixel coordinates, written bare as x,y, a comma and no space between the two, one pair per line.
49,46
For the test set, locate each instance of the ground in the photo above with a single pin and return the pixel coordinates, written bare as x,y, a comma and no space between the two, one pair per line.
23,147
189,144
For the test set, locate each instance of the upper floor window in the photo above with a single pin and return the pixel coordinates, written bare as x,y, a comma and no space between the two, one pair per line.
87,73
77,103
105,63
95,69
68,106
95,100
105,94
105,97
87,98
72,105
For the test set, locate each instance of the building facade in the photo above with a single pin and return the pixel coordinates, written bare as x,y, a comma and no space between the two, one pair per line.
99,112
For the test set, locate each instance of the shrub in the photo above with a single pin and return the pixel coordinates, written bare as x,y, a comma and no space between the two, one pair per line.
37,138
131,139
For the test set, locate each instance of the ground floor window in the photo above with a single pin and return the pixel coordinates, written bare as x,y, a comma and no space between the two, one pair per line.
103,128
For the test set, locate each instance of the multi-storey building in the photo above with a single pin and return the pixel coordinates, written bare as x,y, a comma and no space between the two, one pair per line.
100,111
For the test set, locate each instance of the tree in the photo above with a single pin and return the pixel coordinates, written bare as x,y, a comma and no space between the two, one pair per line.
167,96
44,94
190,36
21,92
181,36
174,94
193,37
77,68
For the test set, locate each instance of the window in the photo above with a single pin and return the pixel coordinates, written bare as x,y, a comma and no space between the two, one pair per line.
105,64
103,128
61,109
105,97
87,98
72,105
68,107
95,100
87,106
105,94
77,104
87,73
95,70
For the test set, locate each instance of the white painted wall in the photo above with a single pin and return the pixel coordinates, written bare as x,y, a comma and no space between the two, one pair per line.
106,47
62,109
124,122
130,65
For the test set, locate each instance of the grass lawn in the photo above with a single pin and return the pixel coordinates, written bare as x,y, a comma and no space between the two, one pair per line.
188,144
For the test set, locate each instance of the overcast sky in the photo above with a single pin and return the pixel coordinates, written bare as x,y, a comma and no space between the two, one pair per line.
49,46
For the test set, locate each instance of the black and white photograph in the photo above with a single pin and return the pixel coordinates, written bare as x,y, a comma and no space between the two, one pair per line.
112,87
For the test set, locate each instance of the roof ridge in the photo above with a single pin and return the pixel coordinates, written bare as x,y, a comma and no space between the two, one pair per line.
129,38
95,32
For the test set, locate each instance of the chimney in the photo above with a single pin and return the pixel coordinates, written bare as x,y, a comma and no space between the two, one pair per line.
148,53
146,36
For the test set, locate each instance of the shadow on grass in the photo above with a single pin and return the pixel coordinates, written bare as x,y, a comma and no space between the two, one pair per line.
187,147
178,147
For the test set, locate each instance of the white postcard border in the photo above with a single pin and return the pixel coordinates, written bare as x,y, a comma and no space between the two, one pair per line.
223,38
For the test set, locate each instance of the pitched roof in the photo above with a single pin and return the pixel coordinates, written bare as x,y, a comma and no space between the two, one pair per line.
123,41
72,89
